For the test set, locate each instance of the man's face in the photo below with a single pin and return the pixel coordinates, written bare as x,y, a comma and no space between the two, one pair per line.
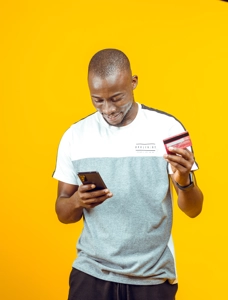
113,97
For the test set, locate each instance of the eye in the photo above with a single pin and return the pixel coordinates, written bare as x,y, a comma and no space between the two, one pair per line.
97,100
118,98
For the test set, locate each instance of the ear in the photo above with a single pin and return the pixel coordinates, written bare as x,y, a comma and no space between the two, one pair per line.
134,81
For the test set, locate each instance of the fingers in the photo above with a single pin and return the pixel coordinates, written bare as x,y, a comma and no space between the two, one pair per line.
89,199
182,159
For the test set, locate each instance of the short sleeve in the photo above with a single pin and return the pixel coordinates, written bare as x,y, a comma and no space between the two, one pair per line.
64,167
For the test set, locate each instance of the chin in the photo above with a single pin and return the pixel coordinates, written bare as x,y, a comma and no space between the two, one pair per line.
114,124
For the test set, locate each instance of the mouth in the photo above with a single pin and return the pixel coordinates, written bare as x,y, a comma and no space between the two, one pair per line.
112,118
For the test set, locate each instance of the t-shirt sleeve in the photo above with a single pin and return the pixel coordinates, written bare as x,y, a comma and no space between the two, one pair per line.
176,129
64,170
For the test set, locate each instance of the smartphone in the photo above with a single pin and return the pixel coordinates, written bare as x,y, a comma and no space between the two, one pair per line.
92,177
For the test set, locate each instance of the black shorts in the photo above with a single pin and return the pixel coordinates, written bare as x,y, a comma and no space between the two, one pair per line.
86,287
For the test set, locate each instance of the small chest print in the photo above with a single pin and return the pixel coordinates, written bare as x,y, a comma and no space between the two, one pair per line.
149,148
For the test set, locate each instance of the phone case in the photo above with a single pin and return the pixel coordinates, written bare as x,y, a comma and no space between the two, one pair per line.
92,177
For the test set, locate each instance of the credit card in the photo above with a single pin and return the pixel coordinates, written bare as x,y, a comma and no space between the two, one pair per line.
181,140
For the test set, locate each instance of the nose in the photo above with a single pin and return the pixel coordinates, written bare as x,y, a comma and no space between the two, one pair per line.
108,108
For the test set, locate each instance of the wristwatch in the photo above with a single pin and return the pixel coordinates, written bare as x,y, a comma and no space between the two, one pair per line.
189,186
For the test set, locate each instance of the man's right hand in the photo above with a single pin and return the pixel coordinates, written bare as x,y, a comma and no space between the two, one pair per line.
87,198
73,198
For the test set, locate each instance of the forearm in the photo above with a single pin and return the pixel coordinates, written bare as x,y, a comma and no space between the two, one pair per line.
191,201
67,209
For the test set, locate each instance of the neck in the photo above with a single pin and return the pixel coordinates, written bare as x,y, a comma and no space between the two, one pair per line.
130,115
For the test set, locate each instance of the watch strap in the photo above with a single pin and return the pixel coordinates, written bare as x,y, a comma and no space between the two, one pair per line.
188,186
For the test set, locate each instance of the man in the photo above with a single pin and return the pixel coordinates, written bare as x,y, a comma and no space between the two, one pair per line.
125,251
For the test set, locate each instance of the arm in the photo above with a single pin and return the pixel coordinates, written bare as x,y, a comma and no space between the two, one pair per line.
72,199
190,201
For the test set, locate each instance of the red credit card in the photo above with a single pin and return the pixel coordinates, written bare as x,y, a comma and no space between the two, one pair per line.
181,140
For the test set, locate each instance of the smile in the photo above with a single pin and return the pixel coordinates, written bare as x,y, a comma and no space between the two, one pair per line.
113,117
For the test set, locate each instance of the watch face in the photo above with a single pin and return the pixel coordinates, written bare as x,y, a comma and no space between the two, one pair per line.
191,177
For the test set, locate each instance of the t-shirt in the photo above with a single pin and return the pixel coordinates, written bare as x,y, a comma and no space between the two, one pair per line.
127,239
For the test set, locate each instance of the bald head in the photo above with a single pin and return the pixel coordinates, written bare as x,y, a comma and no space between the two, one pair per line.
108,62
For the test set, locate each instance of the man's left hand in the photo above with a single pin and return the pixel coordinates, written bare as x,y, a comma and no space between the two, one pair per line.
181,162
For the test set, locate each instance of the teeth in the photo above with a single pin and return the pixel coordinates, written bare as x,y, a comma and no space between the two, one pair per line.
113,116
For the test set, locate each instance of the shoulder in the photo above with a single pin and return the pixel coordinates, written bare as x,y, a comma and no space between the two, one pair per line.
83,125
160,117
79,128
88,120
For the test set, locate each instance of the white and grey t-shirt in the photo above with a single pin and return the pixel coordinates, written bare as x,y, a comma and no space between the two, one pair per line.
127,239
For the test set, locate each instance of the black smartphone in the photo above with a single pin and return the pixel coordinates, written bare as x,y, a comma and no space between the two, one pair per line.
92,177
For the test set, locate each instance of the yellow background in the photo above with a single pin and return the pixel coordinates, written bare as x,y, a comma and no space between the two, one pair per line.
179,50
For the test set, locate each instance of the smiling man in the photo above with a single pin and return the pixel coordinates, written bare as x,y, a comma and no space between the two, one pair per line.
125,251
112,89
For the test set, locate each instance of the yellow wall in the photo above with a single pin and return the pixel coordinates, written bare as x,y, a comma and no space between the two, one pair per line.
179,49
